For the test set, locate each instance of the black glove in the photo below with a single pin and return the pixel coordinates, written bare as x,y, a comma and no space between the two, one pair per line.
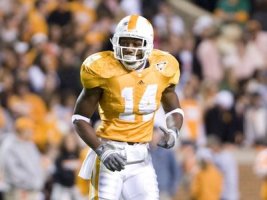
112,158
169,138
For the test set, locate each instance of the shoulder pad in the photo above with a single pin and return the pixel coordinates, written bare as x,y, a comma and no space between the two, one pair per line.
98,67
102,64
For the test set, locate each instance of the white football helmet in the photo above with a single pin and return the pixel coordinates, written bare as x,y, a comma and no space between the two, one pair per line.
133,26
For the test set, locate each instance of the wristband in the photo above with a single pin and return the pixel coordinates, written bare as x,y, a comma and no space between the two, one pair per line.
79,117
177,110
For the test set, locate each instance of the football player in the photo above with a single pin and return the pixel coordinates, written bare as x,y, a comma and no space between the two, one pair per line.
127,86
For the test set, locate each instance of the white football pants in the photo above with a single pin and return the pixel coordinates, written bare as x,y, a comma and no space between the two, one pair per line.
137,181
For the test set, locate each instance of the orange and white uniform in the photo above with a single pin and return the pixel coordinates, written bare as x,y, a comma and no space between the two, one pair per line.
127,109
130,98
127,106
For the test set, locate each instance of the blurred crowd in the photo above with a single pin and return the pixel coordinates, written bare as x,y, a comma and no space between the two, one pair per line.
223,92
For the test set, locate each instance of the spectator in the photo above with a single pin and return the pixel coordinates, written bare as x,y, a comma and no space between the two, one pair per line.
187,158
66,165
203,26
257,37
227,164
193,128
211,67
61,15
83,15
186,56
207,183
255,120
167,22
259,81
22,166
69,70
37,18
25,102
220,120
244,60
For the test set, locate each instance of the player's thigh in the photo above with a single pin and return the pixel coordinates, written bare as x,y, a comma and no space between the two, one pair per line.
105,185
142,186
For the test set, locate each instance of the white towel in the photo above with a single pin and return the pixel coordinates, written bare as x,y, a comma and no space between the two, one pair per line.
88,165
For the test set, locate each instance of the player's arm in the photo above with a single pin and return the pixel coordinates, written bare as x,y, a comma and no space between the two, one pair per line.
172,108
174,117
85,107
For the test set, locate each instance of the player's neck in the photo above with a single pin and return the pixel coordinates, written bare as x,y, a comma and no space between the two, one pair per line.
142,66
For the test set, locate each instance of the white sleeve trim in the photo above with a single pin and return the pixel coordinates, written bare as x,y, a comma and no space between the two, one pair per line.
177,110
80,117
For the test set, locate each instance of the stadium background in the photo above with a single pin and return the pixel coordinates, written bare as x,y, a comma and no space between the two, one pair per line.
222,49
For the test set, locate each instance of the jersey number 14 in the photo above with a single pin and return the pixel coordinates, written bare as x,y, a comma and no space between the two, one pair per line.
147,105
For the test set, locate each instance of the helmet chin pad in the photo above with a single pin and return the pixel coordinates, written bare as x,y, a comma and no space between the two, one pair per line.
129,58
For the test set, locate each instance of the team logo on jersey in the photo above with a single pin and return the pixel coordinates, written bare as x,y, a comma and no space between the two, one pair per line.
141,82
161,66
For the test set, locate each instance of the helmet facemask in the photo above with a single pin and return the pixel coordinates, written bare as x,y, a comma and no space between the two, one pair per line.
132,57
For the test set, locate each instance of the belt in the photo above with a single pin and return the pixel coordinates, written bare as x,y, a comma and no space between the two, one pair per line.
129,143
132,143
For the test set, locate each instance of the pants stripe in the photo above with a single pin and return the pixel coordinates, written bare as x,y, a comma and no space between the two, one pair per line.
96,178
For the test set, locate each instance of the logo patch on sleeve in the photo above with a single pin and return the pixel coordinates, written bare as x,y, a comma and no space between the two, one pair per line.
161,65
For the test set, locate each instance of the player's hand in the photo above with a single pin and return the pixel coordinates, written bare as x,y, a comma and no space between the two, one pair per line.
168,139
113,159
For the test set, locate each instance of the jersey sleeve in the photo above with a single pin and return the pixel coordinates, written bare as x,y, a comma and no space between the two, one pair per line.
171,71
175,77
90,76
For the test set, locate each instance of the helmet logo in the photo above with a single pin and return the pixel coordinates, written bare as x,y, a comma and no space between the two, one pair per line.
132,22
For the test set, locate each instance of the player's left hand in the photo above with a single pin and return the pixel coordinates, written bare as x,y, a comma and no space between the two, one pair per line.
168,139
113,159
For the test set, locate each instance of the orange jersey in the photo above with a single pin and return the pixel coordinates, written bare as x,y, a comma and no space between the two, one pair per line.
130,98
193,123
